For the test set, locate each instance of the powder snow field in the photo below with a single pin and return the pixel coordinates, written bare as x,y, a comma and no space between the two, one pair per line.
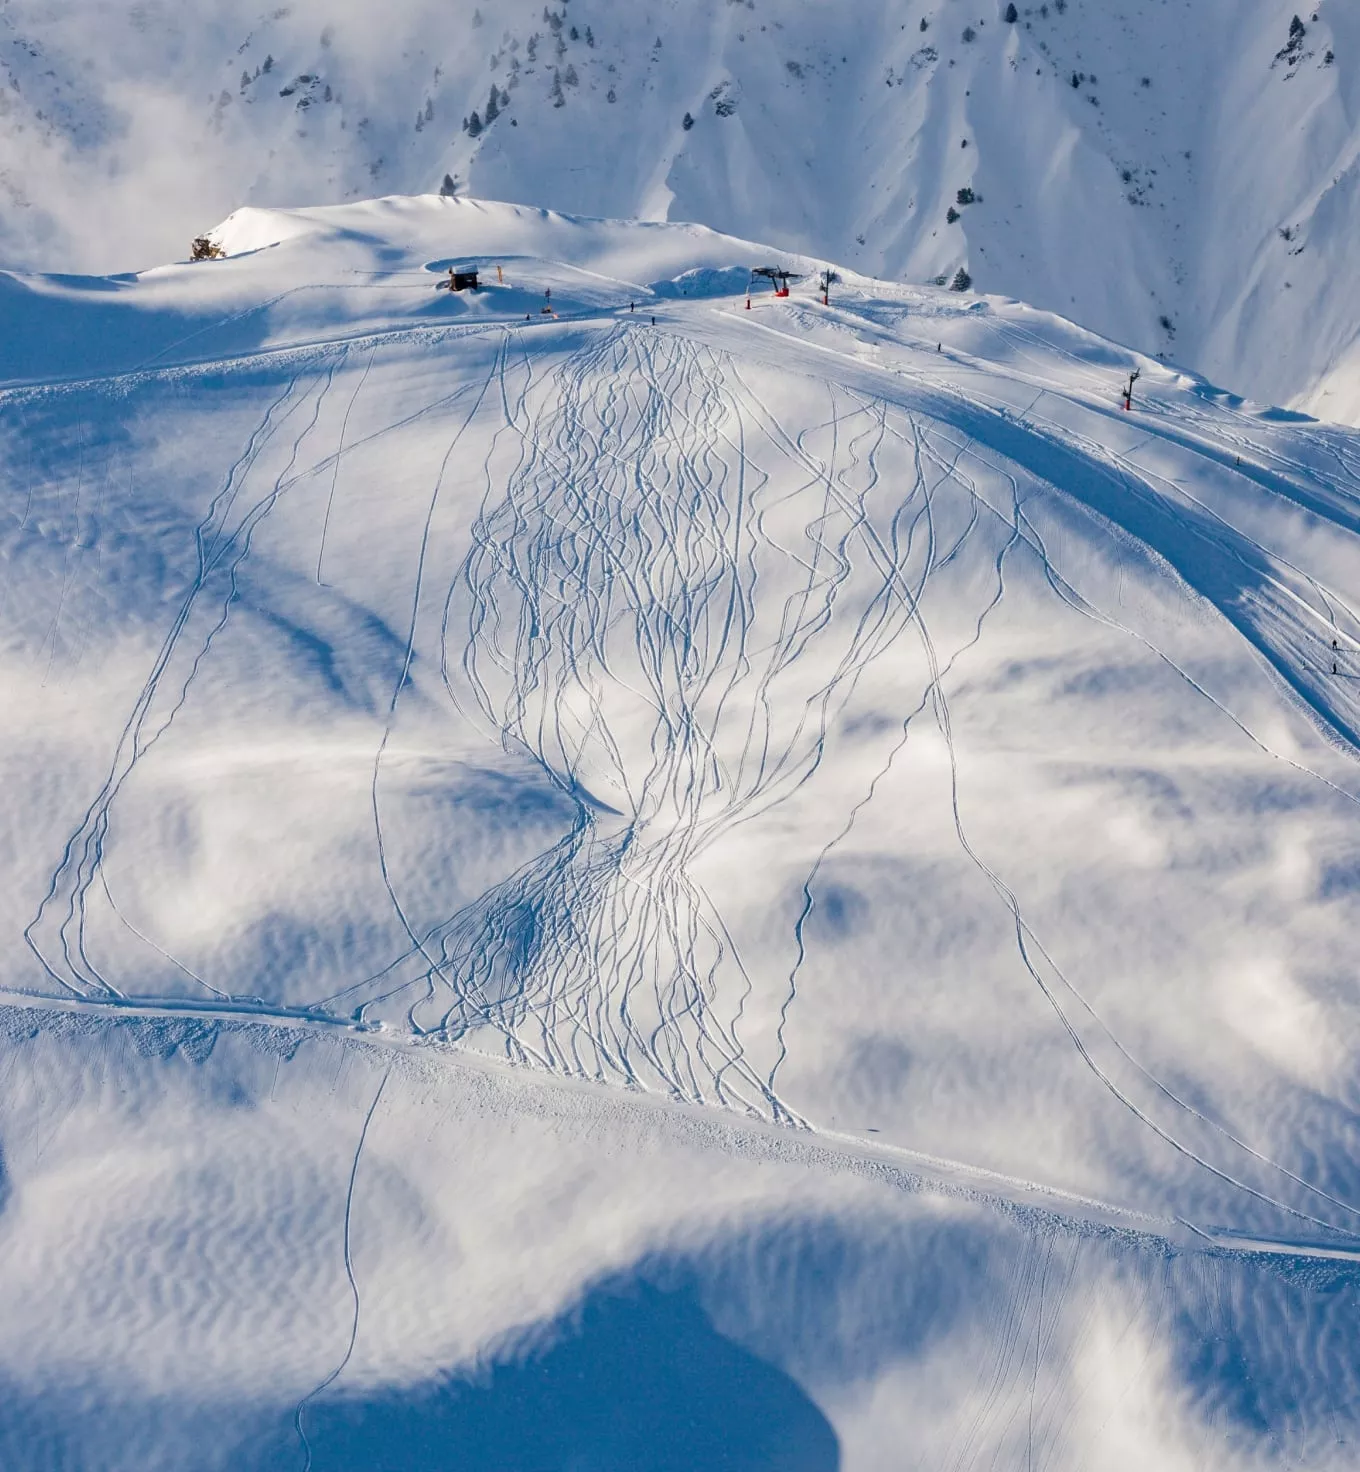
663,886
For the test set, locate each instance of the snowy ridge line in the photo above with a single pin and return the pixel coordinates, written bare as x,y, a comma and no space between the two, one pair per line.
1340,730
555,1095
1277,666
1099,403
273,301
1343,732
304,351
982,388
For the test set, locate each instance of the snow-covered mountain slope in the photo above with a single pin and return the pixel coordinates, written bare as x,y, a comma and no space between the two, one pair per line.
799,847
1179,175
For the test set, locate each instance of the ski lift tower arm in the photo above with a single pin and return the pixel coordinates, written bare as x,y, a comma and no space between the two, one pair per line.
778,276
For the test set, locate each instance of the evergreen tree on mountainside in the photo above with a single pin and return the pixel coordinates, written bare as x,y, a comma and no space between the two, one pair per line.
1292,48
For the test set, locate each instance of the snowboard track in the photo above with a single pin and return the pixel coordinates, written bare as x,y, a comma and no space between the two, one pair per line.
637,494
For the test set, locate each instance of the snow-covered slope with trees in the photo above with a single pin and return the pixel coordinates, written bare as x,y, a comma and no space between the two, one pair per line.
1179,175
596,877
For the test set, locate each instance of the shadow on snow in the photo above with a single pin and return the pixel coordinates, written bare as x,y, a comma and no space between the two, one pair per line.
635,1379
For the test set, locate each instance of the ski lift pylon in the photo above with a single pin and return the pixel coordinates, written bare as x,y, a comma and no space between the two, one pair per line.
1134,375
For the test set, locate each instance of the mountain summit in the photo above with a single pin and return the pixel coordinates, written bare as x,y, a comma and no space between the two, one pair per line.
1180,176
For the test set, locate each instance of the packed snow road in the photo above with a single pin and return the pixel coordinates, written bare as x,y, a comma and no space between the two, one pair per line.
847,716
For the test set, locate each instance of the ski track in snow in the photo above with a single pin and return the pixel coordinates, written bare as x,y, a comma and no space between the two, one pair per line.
334,1375
610,623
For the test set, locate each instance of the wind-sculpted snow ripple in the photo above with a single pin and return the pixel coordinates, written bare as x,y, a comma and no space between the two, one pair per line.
606,623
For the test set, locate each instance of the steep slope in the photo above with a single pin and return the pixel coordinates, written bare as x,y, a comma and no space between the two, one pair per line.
591,872
795,709
1179,176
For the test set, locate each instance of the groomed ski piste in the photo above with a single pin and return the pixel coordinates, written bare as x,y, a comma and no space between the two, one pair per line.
599,876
